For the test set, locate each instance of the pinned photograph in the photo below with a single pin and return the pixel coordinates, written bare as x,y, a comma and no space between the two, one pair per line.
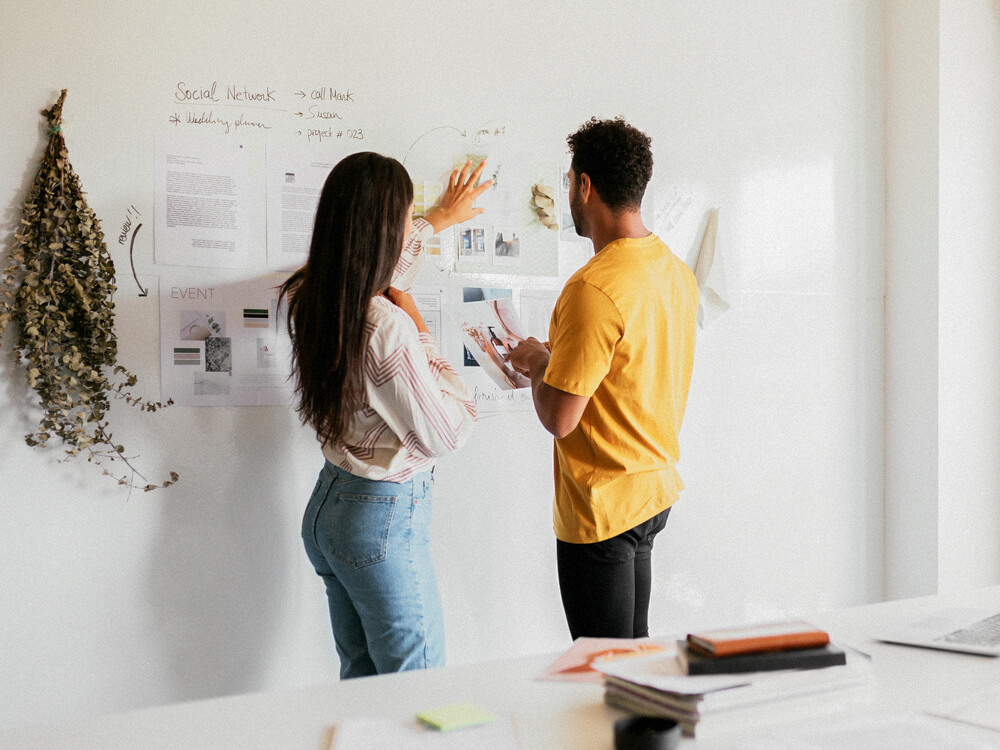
211,384
506,244
198,325
267,354
472,243
219,355
543,198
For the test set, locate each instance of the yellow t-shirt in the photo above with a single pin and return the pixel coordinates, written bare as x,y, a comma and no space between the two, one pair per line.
622,333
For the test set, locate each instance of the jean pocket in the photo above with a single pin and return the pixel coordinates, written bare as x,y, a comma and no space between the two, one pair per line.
359,528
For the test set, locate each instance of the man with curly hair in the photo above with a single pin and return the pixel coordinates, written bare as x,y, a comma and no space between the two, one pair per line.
611,385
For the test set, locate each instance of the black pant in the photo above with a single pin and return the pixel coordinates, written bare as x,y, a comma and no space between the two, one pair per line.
605,585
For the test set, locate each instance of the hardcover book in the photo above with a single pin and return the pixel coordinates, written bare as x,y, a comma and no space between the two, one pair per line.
693,662
749,639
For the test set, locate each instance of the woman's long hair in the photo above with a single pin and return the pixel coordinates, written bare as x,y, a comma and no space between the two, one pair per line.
356,243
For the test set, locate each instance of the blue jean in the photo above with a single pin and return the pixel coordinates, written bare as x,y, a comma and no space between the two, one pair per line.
370,542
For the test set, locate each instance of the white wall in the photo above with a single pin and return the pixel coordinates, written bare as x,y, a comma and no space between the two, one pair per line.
911,297
942,518
772,109
969,347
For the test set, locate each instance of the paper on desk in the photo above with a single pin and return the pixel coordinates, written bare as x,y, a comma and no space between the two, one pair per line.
981,709
665,673
863,732
575,664
410,734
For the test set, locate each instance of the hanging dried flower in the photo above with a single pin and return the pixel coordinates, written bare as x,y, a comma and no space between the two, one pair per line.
57,286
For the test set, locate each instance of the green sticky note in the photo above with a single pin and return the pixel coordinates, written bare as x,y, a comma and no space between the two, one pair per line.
455,716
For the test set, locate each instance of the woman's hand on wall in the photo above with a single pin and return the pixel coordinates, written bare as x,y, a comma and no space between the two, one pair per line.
458,199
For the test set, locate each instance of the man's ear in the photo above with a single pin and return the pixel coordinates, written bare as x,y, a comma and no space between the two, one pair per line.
585,186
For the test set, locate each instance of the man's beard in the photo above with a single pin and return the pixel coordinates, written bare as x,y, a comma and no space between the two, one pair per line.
576,211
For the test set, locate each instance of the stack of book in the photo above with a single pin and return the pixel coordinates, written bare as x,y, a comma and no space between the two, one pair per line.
758,648
731,679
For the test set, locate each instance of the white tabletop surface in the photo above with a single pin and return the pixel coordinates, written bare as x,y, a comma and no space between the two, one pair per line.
548,715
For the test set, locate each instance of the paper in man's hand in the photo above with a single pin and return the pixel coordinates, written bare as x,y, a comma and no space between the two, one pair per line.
490,329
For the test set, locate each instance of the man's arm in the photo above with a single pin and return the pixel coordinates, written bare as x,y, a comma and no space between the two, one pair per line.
558,411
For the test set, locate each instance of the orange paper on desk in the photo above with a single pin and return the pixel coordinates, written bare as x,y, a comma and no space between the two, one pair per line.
776,636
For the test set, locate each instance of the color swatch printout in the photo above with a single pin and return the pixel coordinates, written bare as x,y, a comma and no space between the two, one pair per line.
223,343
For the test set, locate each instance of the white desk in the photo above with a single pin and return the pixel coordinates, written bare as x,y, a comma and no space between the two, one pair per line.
549,715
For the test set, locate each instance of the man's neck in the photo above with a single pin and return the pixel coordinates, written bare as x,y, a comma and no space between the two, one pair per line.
617,226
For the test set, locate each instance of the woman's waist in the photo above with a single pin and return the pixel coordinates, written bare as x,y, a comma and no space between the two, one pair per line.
384,460
344,476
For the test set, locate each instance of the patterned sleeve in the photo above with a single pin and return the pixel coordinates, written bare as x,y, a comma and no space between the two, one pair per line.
410,261
415,390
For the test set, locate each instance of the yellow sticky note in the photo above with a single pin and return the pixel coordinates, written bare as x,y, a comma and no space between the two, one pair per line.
455,716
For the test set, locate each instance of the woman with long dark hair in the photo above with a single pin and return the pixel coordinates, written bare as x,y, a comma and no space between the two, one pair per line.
384,403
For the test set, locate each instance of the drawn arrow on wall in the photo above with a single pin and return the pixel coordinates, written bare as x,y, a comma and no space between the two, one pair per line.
131,260
440,127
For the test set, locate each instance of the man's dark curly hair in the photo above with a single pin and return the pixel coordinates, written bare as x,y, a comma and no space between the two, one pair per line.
617,158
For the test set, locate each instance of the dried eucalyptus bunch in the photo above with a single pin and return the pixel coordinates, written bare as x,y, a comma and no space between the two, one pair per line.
57,286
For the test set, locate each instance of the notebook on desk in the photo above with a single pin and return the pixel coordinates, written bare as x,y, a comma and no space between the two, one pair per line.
970,631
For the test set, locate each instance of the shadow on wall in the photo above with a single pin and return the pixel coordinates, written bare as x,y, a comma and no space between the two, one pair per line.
218,565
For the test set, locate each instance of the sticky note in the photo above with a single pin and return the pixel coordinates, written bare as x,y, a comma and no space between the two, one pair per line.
455,716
